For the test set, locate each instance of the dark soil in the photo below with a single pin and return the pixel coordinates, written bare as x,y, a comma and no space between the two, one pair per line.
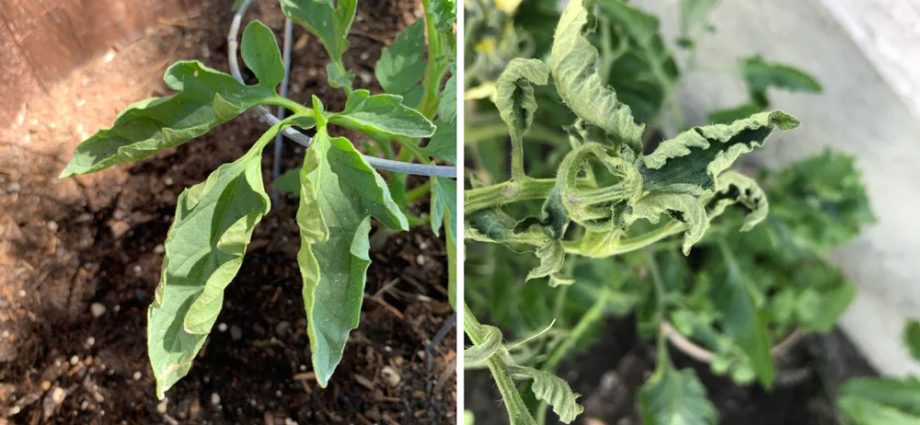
611,372
94,245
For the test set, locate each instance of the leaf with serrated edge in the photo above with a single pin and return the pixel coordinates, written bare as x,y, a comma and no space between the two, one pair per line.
382,116
206,98
339,194
573,61
673,397
204,250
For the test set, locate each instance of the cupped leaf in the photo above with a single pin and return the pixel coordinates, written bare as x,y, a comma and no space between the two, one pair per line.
402,64
691,161
733,188
339,194
206,99
673,397
328,20
204,250
682,207
382,116
516,103
261,54
573,61
553,390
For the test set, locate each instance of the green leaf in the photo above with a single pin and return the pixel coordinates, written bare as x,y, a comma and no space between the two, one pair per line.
692,161
339,194
683,207
288,182
206,99
382,116
262,56
444,205
822,200
818,309
729,115
880,401
672,397
760,75
693,14
514,96
328,20
552,258
447,105
402,64
912,338
445,14
634,60
553,390
339,77
573,61
443,144
204,250
742,321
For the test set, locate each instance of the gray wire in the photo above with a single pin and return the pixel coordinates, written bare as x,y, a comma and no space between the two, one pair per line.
303,139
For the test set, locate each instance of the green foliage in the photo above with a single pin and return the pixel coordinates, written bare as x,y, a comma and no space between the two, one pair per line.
912,338
340,194
626,208
760,75
880,401
206,98
673,397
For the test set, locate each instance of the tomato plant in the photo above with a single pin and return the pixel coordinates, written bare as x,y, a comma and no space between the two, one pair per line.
609,197
339,190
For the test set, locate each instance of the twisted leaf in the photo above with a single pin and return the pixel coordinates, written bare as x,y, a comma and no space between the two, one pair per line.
553,390
692,161
476,356
573,61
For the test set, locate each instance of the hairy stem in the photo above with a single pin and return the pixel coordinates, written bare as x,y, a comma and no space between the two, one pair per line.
507,192
517,410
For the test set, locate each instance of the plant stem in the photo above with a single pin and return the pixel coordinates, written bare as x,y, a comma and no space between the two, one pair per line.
418,192
507,192
435,69
514,404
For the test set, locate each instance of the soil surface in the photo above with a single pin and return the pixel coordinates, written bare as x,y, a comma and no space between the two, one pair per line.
611,372
79,261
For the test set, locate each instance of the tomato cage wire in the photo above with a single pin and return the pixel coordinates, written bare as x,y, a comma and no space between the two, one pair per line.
297,136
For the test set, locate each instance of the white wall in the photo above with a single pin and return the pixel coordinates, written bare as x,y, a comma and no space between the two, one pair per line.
860,112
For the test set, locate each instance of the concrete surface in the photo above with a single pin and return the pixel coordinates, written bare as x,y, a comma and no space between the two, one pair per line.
862,111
